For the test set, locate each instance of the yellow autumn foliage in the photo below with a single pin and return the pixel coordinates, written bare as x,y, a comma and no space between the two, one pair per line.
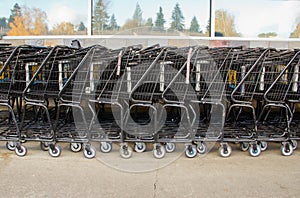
32,21
63,28
296,32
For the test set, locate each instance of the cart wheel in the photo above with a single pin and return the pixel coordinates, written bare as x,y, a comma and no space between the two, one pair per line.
105,147
139,147
20,150
254,150
125,151
44,146
159,151
286,149
225,150
294,144
244,146
54,151
11,145
170,147
263,145
190,151
89,152
75,147
201,148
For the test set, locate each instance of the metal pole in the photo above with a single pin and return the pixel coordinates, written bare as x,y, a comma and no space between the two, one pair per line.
209,34
90,10
211,19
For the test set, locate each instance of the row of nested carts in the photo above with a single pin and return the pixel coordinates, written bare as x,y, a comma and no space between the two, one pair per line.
136,96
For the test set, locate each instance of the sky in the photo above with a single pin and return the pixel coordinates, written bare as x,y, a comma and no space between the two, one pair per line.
251,16
57,11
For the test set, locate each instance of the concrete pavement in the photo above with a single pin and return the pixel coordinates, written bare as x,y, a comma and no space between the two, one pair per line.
71,175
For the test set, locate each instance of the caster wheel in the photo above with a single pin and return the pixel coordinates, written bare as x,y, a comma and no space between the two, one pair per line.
75,147
244,146
125,151
263,145
54,150
286,149
20,150
170,147
159,151
190,151
294,144
201,148
44,146
11,146
105,147
225,150
139,147
89,152
254,150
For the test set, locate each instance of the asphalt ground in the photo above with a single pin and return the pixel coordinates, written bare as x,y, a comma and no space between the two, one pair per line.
108,175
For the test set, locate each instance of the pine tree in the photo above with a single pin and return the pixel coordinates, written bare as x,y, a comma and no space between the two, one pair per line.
3,22
100,17
16,11
81,26
160,21
113,23
195,27
137,15
177,19
149,22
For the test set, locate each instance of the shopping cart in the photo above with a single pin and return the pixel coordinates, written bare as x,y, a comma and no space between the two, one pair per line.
72,123
109,74
20,64
280,100
41,96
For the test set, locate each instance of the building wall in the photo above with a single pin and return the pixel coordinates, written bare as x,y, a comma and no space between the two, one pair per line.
179,41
